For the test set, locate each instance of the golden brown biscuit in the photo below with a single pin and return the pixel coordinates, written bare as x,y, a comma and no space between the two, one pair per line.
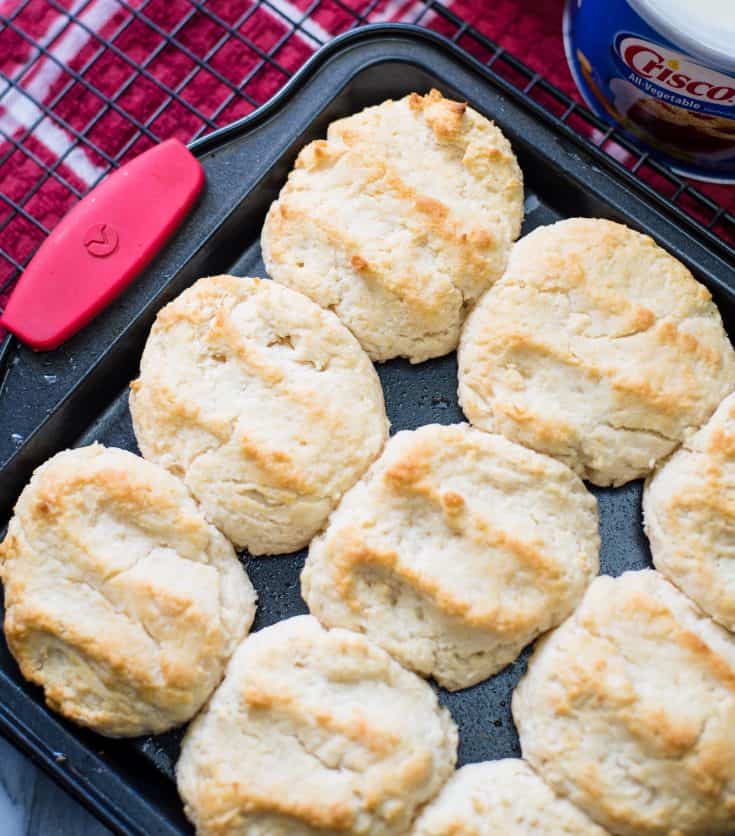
263,403
121,601
596,347
314,732
454,551
501,798
689,511
398,221
628,710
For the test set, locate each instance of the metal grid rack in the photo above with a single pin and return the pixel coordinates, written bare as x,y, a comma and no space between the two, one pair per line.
266,59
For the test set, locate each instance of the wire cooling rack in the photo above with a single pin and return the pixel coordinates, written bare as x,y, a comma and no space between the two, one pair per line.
228,58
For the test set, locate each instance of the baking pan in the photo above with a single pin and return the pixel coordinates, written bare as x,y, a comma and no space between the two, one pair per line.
78,393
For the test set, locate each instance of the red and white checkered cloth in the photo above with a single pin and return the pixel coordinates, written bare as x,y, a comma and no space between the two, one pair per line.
57,53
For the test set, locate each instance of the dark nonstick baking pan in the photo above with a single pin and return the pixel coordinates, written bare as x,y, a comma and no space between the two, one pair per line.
129,783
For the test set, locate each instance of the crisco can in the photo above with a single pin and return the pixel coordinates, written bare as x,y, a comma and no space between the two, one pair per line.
664,70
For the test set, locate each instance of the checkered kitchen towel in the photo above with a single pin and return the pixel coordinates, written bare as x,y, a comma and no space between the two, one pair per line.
87,84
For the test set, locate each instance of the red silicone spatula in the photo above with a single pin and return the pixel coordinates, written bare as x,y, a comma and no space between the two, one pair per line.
102,245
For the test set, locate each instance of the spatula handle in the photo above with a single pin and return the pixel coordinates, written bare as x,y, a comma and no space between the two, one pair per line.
102,245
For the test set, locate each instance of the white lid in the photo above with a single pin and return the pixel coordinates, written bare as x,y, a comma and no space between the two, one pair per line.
703,28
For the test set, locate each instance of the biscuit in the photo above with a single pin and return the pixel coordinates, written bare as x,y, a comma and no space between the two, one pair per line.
314,731
455,550
628,710
596,347
263,403
501,798
689,513
121,601
398,221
